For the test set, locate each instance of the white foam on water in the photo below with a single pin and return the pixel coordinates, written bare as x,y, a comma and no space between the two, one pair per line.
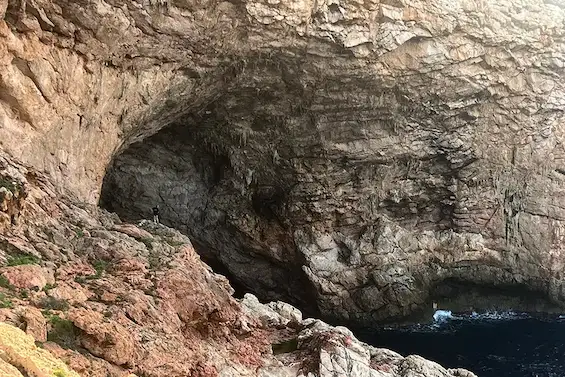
446,320
498,316
442,316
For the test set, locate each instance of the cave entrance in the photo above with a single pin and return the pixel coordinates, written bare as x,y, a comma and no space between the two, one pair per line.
465,297
218,178
218,267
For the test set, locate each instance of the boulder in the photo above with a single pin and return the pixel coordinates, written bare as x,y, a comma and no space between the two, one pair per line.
19,350
106,339
74,295
35,323
29,276
272,314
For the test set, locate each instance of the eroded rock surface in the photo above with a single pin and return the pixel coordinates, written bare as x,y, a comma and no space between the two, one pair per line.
135,300
318,349
111,298
344,155
423,152
18,352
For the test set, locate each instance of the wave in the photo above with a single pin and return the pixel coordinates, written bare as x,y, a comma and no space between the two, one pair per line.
499,316
447,321
442,316
444,320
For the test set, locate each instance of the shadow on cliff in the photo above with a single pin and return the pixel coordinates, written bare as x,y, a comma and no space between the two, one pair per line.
236,223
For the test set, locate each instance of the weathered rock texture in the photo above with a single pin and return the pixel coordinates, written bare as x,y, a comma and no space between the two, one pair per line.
128,301
111,298
320,350
19,353
347,155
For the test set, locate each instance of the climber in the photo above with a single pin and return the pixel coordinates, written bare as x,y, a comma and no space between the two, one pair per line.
156,214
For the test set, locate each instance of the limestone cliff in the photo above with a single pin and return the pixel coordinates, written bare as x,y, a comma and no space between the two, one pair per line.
368,150
102,298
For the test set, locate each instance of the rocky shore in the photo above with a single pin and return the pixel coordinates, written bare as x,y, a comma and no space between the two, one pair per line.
371,151
355,159
84,294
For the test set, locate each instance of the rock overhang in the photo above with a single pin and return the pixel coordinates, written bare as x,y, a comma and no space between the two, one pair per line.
359,144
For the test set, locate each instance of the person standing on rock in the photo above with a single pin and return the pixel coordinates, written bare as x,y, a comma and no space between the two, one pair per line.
156,214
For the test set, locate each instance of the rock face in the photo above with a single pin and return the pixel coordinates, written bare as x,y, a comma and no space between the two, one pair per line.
19,353
131,300
318,349
421,145
347,156
110,298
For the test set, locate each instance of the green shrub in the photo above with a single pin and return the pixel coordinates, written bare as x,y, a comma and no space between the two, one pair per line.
9,185
21,259
59,373
62,331
79,233
48,287
52,303
5,302
148,242
100,266
4,283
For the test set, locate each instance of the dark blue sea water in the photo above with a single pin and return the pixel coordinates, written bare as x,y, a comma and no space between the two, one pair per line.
491,345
